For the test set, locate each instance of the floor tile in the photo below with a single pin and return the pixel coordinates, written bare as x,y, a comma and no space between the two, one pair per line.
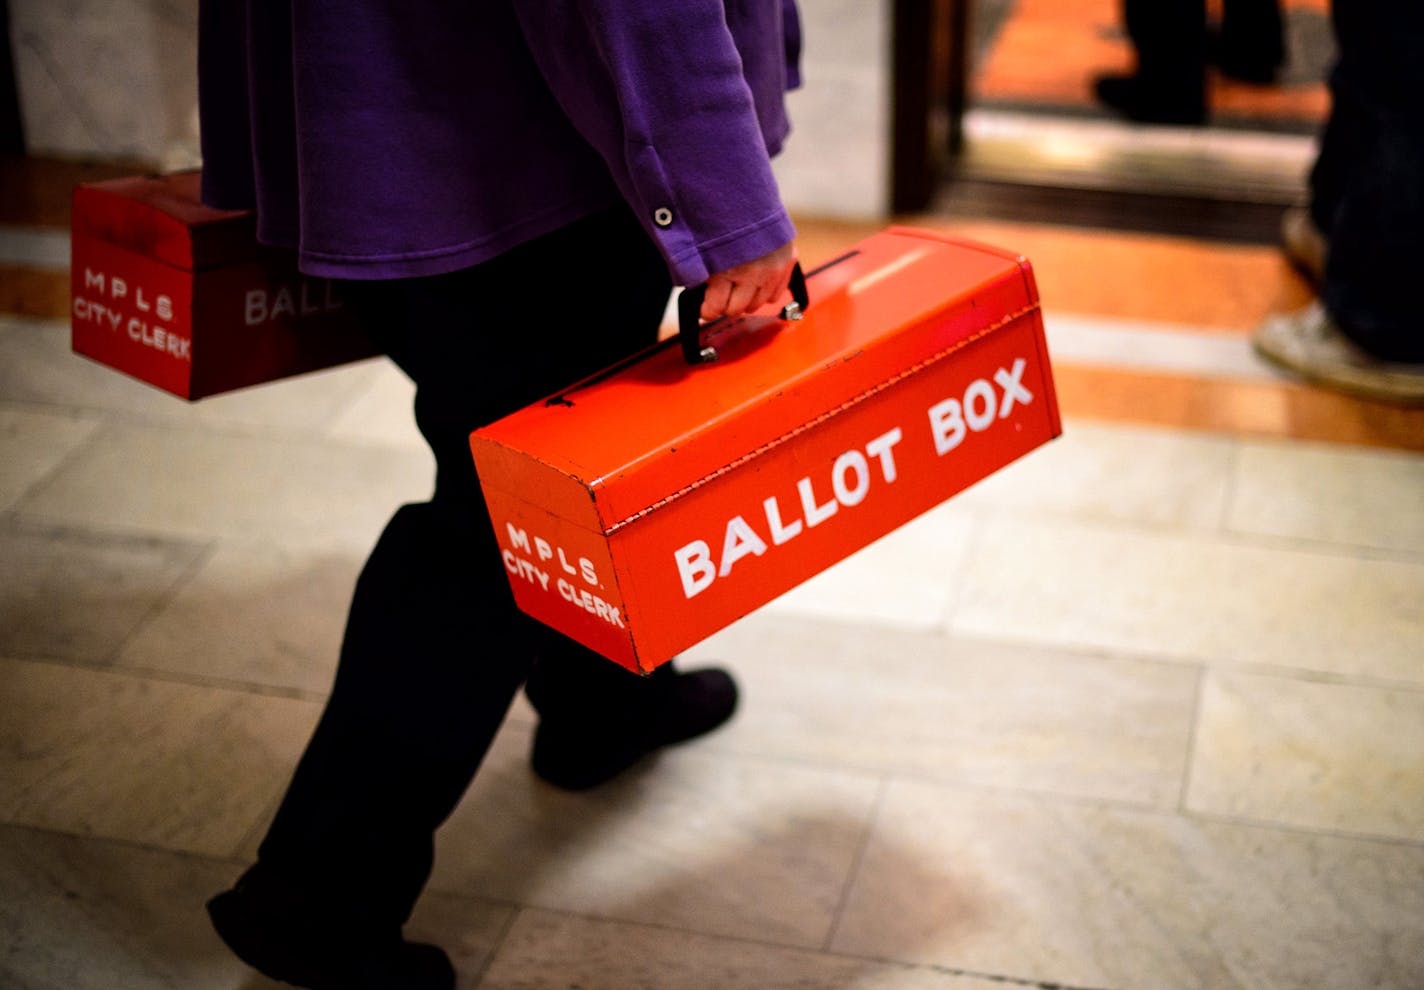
32,443
1089,896
168,765
962,709
33,293
1119,588
38,366
841,175
383,412
545,950
1118,472
1158,347
101,915
1310,755
907,578
193,483
1286,409
1129,275
255,613
710,844
73,595
44,248
1344,495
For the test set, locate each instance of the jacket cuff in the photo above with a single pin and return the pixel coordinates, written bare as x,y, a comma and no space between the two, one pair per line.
695,265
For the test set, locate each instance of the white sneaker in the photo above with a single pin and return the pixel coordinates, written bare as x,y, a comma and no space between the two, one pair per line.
1309,343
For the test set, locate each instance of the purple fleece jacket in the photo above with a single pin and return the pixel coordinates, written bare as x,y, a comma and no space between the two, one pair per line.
389,139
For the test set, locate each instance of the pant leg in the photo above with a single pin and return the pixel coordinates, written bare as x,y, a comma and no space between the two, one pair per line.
434,648
1170,39
1252,33
1368,184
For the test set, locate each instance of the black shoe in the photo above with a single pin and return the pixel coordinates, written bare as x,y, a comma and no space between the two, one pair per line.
1136,100
579,754
303,954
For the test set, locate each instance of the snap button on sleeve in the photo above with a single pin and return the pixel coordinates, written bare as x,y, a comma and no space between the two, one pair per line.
662,216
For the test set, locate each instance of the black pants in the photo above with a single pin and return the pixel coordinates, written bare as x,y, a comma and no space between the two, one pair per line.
1368,183
1170,37
435,650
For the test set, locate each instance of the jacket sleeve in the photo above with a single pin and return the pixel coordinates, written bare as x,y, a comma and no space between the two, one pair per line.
658,88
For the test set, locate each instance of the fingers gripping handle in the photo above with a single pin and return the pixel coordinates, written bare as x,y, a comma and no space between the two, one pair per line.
689,316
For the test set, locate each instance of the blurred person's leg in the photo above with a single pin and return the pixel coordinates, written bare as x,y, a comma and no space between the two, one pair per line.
1374,218
1169,84
1366,336
1251,40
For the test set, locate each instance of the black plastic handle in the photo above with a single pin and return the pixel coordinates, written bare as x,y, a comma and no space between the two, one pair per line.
689,318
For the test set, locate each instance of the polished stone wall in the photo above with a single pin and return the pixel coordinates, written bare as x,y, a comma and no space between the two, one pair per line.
837,163
114,79
108,79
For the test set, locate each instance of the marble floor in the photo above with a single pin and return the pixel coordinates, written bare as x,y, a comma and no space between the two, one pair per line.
1144,711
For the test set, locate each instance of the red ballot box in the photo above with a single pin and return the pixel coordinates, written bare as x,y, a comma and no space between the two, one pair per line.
183,297
647,507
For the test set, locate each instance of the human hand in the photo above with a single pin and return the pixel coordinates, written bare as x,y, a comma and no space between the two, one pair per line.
749,286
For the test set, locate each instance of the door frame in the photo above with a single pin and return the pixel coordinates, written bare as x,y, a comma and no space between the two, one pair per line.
929,87
12,130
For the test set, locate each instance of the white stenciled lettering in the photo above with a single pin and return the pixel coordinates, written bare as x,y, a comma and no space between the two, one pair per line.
591,603
256,303
282,304
525,569
564,563
307,297
517,537
118,288
741,540
1011,381
309,305
780,533
981,406
694,566
159,339
883,449
851,462
815,514
88,311
947,422
541,549
852,477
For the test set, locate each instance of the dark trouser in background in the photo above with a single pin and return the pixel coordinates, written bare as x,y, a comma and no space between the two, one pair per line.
1171,40
1368,183
435,650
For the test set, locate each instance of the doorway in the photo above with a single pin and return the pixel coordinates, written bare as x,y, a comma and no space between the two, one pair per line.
994,110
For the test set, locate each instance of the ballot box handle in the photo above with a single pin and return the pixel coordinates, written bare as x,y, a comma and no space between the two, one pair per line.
689,320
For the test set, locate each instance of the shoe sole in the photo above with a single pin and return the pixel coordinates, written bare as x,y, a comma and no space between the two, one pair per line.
1345,386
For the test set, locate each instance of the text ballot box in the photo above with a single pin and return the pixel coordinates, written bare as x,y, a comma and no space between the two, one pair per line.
183,297
647,507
